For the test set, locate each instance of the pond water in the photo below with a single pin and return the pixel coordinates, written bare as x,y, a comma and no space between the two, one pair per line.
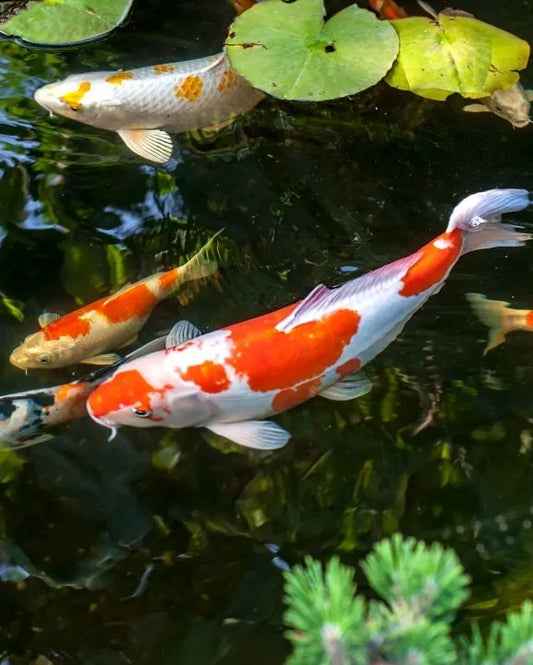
134,563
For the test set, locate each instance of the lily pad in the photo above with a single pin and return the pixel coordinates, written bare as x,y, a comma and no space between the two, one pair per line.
455,54
66,21
287,50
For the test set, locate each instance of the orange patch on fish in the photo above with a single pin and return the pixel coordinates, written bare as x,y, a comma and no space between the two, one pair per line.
435,259
228,80
190,88
290,397
119,77
271,359
73,99
136,302
67,391
209,376
70,325
169,279
349,367
128,388
164,69
529,318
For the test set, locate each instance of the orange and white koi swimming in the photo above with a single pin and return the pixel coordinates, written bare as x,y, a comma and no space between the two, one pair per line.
387,9
143,105
500,318
25,416
83,336
230,379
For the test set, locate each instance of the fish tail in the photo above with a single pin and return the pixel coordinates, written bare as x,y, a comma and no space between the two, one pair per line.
495,314
479,216
201,266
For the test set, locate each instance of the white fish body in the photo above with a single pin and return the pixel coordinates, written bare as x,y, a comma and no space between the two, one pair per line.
143,104
229,379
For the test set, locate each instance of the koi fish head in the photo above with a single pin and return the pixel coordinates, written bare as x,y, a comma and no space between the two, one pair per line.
38,352
87,98
126,398
512,104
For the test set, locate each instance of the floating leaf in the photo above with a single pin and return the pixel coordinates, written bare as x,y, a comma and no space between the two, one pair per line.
66,21
455,54
287,50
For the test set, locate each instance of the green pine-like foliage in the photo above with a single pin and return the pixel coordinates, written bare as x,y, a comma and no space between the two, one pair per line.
421,589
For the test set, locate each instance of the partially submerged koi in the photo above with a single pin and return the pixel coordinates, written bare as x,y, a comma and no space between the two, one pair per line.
142,105
85,335
230,379
387,9
25,416
500,318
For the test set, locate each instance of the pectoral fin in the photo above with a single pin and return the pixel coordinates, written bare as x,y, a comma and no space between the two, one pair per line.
102,359
260,434
476,108
47,317
181,332
155,145
349,387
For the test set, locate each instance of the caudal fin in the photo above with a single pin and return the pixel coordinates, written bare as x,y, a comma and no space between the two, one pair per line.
190,275
494,314
480,216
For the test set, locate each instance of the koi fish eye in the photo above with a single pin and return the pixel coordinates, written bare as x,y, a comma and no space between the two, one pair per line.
142,413
475,223
43,359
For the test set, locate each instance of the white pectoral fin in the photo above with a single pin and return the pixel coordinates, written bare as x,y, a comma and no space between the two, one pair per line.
475,108
157,344
155,145
181,332
260,434
102,359
47,317
349,387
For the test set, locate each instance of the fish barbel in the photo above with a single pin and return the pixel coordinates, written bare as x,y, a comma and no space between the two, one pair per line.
85,335
230,379
142,105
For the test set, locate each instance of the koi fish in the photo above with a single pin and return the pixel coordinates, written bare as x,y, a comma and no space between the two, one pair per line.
229,380
25,415
512,104
83,336
500,318
387,9
143,105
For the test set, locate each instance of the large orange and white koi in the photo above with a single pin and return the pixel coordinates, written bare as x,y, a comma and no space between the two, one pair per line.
142,105
85,335
230,379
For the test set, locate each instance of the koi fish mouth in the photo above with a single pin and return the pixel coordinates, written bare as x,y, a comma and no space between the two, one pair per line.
104,422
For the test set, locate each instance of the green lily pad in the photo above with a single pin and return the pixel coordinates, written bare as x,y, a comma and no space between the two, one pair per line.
66,21
287,50
455,54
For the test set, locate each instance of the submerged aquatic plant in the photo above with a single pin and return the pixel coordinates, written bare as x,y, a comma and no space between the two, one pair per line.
421,589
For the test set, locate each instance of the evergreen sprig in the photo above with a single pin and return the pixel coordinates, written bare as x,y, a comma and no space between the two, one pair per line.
422,588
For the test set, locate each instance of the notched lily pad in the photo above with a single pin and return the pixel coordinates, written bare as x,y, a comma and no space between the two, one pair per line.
66,21
287,50
455,54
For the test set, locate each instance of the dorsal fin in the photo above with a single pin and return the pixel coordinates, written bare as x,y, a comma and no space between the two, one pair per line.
323,299
47,317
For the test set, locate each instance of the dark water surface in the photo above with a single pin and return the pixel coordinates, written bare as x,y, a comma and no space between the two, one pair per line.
440,449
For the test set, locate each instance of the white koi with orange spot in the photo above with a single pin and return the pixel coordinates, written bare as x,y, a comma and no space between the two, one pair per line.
85,335
229,379
143,105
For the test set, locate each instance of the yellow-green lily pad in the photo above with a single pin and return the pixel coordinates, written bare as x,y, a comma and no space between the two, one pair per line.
287,50
66,21
455,54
